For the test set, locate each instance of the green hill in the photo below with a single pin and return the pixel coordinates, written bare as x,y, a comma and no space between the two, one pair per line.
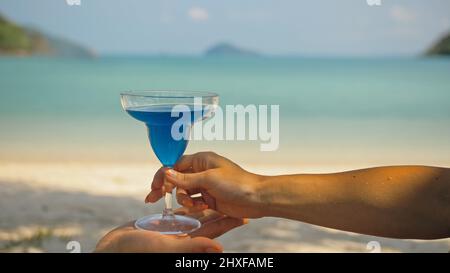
442,47
13,39
18,40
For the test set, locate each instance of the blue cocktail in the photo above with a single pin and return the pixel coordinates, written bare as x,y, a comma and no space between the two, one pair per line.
159,121
169,116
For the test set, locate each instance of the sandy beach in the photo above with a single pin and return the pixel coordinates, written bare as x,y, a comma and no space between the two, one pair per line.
46,205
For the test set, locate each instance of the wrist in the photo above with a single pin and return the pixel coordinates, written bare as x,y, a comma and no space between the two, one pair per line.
263,195
276,196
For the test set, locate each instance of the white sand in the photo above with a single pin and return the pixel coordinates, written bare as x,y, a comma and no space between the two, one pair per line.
46,205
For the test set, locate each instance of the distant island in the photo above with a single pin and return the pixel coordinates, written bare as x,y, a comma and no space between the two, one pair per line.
24,41
441,47
226,49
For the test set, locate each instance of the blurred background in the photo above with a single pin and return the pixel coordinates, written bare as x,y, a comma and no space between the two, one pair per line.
358,85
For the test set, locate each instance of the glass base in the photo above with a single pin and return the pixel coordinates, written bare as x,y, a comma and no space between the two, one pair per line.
168,224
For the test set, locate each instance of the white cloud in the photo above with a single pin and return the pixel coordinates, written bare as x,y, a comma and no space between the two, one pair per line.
402,14
198,14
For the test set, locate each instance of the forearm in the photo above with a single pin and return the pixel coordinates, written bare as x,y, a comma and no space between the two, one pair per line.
399,202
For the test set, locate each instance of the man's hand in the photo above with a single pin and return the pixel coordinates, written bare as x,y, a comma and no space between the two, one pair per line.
129,239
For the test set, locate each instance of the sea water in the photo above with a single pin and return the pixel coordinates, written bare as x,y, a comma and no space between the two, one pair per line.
332,110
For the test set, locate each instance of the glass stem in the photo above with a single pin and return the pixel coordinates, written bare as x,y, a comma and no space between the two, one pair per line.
168,211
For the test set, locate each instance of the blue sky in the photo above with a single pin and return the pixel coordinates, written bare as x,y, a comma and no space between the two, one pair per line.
283,27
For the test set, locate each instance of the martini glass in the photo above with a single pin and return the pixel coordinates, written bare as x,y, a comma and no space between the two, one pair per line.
161,111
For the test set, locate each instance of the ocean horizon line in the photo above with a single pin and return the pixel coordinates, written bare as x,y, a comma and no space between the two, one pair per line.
381,57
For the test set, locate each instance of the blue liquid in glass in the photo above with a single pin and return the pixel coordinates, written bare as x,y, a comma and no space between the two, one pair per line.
159,126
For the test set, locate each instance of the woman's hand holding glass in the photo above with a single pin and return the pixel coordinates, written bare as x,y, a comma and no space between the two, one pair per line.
223,185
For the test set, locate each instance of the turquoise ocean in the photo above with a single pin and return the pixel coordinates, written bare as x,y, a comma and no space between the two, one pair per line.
332,111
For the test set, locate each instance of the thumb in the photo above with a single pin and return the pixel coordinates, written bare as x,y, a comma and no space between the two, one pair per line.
186,180
198,244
